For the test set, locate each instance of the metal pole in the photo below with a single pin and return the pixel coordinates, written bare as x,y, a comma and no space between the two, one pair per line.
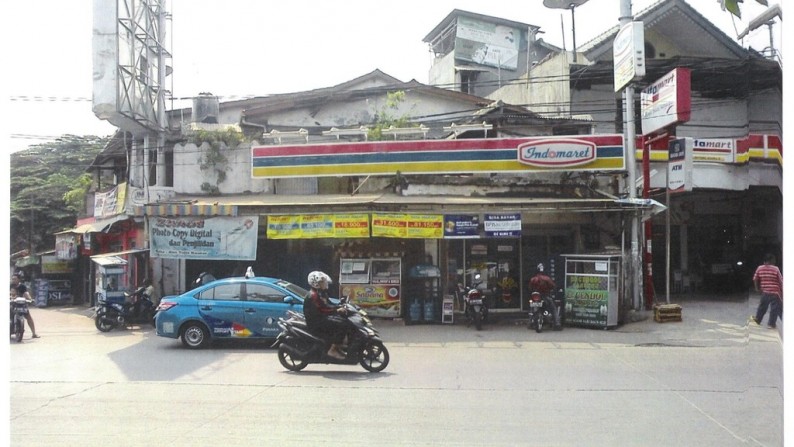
573,29
629,137
667,234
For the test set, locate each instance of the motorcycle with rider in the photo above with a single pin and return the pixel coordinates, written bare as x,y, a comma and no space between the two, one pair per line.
542,308
329,333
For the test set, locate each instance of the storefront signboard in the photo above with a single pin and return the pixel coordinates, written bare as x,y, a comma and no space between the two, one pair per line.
586,300
459,226
502,225
467,156
313,226
216,238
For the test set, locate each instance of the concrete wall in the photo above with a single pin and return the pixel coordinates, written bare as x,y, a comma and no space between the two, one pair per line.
188,176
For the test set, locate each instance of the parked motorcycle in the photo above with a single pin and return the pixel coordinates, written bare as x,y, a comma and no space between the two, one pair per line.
19,308
297,347
539,313
475,306
111,315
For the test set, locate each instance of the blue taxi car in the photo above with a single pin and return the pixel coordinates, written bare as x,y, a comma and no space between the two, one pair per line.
229,308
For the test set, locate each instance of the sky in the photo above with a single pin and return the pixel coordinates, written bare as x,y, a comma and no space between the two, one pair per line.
242,48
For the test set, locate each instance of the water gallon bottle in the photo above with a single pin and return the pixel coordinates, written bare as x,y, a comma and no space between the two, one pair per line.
429,311
415,311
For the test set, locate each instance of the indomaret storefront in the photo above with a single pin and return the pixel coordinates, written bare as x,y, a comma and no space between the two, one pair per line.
399,224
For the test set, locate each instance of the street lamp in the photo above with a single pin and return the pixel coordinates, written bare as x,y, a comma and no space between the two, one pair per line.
567,4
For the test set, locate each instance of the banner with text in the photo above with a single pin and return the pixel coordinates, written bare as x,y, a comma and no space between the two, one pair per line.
314,226
502,225
461,226
216,238
409,226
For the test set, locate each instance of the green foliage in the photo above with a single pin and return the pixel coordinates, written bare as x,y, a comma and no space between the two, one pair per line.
214,158
732,6
47,189
385,117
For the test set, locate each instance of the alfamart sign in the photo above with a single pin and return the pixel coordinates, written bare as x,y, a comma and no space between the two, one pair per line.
496,155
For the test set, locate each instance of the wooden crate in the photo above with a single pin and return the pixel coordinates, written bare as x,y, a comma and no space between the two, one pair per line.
663,313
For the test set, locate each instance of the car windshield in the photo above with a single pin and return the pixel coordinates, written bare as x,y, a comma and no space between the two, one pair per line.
297,290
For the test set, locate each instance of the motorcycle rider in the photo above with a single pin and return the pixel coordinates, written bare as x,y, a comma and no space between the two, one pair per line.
22,290
137,299
323,317
543,284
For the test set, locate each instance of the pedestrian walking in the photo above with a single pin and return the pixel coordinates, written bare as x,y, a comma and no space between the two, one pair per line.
769,281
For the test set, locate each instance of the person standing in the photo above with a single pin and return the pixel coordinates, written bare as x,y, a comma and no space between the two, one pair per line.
22,290
769,281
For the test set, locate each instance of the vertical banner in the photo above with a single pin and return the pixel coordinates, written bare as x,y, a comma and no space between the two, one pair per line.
459,226
679,165
502,225
216,238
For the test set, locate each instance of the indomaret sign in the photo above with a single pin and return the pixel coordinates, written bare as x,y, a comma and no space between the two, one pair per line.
495,155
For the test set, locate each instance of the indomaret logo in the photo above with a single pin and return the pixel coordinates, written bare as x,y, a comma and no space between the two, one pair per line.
556,153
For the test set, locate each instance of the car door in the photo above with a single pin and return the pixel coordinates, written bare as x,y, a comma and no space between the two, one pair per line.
221,307
264,304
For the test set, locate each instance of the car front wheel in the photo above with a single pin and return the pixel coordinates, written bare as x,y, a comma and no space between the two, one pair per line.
195,335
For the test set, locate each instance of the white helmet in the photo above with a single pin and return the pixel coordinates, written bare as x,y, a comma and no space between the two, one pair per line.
316,278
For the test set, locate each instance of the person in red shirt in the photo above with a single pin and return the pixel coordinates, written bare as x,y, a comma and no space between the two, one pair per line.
544,285
769,281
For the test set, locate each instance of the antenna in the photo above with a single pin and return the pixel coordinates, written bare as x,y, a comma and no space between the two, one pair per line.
567,4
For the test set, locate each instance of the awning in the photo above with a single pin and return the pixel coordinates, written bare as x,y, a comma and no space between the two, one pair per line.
98,226
115,257
185,209
390,202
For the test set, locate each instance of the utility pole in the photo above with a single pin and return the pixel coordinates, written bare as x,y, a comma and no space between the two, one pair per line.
626,17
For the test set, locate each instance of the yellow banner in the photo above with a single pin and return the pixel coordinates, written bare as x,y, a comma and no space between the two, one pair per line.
389,225
409,226
314,226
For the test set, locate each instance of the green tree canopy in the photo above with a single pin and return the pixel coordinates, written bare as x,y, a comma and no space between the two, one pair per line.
48,186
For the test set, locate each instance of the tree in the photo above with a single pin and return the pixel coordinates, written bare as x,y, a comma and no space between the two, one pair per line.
732,6
48,185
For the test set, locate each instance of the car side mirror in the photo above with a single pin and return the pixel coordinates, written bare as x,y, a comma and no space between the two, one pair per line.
289,300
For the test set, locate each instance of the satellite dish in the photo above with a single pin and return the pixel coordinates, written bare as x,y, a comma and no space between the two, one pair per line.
567,4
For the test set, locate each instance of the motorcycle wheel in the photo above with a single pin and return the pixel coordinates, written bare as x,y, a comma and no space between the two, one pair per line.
539,322
374,357
195,335
288,361
101,322
19,331
477,320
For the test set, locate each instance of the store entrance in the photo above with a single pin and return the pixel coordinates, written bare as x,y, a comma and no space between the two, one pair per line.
498,261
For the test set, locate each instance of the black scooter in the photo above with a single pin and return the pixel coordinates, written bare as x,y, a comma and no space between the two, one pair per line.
108,316
297,347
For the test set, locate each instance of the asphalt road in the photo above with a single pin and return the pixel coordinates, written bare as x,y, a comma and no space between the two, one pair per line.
710,380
